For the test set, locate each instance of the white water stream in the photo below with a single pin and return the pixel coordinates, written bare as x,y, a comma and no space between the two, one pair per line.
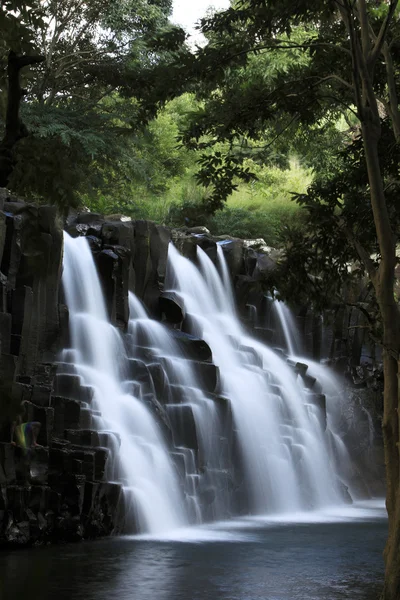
151,483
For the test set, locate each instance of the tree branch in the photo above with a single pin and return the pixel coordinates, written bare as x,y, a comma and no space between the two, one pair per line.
339,79
380,40
361,12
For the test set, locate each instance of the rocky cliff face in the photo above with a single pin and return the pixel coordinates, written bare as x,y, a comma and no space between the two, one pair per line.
59,491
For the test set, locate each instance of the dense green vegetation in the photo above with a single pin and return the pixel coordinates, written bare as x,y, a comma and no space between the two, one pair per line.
96,79
161,185
100,132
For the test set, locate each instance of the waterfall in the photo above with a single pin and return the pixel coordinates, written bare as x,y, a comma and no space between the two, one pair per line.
150,481
183,396
256,441
285,453
288,326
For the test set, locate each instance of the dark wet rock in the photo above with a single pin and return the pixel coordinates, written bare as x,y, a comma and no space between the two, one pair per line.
176,393
159,379
17,534
191,326
89,217
264,335
143,353
67,414
117,233
7,463
132,387
208,245
200,230
208,495
344,491
309,381
139,372
5,332
233,253
171,306
149,258
301,368
94,242
41,395
207,375
13,207
191,346
185,244
264,267
67,386
82,437
183,425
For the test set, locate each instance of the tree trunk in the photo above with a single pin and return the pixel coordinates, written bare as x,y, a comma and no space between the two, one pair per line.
384,289
391,441
14,128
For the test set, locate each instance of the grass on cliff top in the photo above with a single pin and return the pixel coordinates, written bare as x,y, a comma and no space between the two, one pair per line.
260,209
264,207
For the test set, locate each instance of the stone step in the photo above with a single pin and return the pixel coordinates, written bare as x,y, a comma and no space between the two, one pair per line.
139,372
82,437
159,379
66,368
191,347
41,395
257,359
207,374
183,425
44,416
70,386
75,460
319,400
264,335
67,414
172,307
133,388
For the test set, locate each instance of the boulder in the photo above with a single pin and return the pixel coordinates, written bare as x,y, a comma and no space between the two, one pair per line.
183,425
67,414
159,380
191,347
171,306
208,245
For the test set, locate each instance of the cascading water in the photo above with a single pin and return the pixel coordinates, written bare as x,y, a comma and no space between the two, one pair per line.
254,444
288,326
337,404
151,482
282,444
183,393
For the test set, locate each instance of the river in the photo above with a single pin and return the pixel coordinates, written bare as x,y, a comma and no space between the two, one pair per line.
325,556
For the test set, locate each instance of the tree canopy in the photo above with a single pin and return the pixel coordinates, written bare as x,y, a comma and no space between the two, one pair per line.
95,87
349,69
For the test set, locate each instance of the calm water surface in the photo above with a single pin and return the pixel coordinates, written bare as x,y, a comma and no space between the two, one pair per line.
337,557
